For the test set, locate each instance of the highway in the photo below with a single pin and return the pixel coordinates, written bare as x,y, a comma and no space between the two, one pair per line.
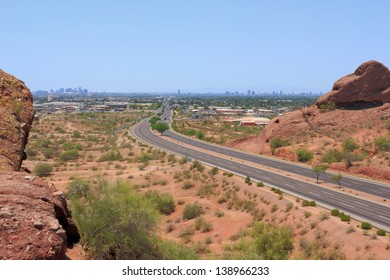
377,214
359,184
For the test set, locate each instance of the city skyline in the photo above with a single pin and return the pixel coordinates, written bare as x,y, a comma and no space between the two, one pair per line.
196,46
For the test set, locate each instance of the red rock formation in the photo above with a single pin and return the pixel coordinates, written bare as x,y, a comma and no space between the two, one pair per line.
370,83
34,219
16,116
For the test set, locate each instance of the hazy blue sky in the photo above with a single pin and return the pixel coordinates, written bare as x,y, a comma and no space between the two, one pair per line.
211,45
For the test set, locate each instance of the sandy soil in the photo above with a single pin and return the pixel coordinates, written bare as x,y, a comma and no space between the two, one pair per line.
310,224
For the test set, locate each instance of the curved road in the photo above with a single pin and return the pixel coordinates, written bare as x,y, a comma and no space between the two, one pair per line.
377,214
359,184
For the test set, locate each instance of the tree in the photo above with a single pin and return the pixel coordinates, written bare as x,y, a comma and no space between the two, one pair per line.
154,119
337,178
319,169
160,127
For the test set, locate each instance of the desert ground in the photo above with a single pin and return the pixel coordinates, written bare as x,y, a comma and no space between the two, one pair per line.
230,205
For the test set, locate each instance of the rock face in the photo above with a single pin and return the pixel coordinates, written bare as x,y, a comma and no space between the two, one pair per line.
370,84
16,116
34,219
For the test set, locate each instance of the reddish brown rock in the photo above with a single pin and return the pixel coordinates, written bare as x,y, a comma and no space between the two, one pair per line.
16,116
370,83
34,219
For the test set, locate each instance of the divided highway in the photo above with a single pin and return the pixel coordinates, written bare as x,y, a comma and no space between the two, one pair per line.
361,209
367,186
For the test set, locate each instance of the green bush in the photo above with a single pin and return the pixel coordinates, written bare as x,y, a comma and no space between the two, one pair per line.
349,145
50,153
335,212
381,232
164,202
78,188
344,217
154,119
382,143
306,203
69,155
214,171
192,210
278,142
304,155
31,153
43,169
67,146
111,156
197,165
332,156
260,184
366,225
116,222
200,135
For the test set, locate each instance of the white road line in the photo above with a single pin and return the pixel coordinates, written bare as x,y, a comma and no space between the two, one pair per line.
384,217
347,204
316,194
361,203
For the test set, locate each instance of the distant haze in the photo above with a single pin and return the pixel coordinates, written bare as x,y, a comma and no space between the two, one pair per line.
194,46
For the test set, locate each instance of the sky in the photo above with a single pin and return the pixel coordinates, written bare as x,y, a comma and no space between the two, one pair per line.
191,45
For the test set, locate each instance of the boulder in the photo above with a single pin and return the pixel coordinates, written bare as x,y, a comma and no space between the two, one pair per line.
368,86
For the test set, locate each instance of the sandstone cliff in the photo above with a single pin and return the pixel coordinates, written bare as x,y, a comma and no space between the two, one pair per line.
34,219
356,107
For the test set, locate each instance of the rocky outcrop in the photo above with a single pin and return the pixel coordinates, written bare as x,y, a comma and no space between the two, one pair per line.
368,85
34,219
16,116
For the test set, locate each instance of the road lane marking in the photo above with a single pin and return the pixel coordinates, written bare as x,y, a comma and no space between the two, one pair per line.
346,204
384,217
361,203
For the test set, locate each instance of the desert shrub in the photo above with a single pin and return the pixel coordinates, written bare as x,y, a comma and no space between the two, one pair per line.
50,153
197,165
214,171
260,184
272,242
116,222
200,135
69,155
306,203
199,222
349,145
207,190
43,169
335,212
183,160
207,226
187,185
78,188
278,142
304,155
76,134
67,146
332,156
111,156
192,210
382,143
31,153
365,225
164,202
344,217
330,106
381,232
220,213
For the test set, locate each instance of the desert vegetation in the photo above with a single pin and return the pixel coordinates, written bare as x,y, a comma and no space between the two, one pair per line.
177,209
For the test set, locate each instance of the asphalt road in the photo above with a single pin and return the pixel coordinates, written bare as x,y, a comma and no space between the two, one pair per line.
367,186
377,214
